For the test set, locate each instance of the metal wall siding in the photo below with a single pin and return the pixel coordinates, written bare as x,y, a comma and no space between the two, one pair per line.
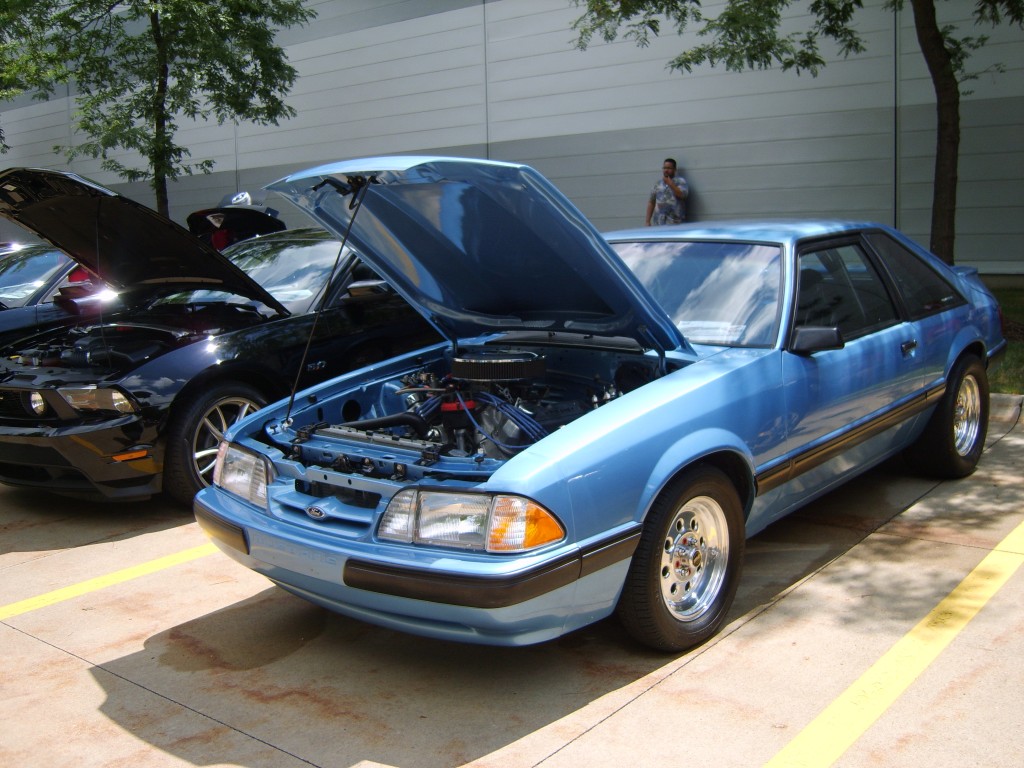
501,78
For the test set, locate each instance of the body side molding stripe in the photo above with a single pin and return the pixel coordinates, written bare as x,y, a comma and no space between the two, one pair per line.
815,457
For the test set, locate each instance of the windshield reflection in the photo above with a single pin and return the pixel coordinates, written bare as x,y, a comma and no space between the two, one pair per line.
294,273
25,270
724,294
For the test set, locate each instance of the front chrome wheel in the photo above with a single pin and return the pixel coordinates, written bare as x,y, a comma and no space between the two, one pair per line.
694,558
196,427
687,564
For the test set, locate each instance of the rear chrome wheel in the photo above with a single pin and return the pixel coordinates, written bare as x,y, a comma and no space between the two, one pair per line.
952,442
967,416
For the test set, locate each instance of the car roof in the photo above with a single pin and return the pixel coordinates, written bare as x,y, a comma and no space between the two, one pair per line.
788,231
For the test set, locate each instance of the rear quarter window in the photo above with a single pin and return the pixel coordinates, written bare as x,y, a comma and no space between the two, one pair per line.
923,290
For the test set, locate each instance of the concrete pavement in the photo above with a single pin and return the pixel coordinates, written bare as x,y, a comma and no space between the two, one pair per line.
164,654
740,700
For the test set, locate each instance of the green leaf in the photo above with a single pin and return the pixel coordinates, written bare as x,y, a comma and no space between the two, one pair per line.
140,68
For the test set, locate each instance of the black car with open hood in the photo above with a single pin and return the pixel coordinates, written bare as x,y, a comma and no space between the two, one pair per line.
130,247
132,397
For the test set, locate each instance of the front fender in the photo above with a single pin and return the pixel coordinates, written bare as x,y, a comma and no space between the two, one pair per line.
710,445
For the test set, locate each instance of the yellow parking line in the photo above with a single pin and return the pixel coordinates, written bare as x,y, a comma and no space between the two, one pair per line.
830,734
100,582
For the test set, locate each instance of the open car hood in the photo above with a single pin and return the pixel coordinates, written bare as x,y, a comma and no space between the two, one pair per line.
127,245
245,219
481,247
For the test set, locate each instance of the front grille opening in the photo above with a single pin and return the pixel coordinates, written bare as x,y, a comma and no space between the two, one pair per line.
54,478
25,473
350,496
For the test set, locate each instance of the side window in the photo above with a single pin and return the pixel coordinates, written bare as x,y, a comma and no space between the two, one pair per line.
838,286
923,290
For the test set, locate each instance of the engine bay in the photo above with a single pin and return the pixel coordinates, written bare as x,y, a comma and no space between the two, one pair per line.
467,413
133,337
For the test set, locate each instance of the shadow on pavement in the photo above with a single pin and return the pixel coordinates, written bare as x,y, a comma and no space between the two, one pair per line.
335,691
36,521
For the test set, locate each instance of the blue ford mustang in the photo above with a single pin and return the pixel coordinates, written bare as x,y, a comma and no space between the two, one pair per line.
609,417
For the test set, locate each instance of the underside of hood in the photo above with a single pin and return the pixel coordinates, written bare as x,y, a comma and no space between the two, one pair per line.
481,247
242,221
127,245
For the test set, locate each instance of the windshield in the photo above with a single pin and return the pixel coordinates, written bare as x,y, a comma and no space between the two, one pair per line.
720,293
294,272
25,271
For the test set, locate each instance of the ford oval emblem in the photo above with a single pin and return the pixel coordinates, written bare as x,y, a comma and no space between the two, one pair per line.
316,513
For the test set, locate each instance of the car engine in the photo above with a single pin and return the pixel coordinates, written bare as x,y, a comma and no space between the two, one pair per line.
490,404
105,346
133,339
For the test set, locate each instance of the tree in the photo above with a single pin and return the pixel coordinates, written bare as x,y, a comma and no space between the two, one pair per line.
8,89
12,29
138,67
8,85
746,35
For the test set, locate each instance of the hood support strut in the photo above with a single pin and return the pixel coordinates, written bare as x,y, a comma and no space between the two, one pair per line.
359,185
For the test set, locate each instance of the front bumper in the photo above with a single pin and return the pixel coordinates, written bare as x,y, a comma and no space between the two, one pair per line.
80,461
444,598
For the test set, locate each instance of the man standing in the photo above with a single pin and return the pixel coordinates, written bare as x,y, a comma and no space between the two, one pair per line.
666,205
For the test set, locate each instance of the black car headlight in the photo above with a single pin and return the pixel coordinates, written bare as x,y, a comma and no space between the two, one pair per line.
97,399
476,521
243,473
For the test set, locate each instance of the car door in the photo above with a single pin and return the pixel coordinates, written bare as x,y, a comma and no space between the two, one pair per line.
927,300
842,403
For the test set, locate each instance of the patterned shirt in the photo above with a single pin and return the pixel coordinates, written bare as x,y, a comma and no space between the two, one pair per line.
668,209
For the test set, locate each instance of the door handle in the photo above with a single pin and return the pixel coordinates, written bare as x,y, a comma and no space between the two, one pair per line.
908,346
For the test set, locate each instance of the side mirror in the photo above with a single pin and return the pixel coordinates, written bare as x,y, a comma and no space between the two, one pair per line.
364,289
808,339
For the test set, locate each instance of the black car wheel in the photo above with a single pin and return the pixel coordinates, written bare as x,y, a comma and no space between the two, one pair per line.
197,429
686,568
951,444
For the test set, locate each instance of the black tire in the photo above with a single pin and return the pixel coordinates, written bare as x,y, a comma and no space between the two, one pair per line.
686,568
951,445
194,433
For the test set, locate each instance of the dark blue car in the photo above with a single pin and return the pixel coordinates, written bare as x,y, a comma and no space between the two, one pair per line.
131,393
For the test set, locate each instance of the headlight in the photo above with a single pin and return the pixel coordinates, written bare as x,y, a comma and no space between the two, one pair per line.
37,403
242,473
97,399
482,522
